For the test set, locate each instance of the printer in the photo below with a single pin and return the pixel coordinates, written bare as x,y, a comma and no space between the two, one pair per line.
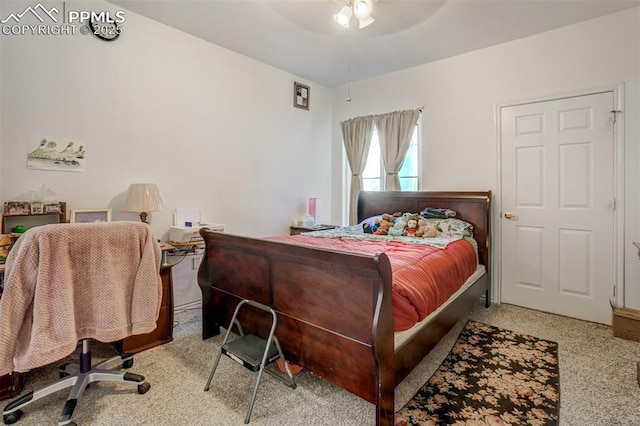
190,234
187,227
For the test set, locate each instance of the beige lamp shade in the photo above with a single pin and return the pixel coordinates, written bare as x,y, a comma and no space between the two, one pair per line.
143,198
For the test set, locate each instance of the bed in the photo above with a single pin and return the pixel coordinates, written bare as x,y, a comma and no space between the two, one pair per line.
334,308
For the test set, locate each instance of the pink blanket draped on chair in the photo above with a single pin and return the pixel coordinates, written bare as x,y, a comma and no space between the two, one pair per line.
67,282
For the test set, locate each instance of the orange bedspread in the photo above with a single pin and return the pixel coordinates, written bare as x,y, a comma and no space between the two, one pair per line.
424,277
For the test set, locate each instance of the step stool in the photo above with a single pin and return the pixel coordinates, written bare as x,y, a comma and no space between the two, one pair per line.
253,352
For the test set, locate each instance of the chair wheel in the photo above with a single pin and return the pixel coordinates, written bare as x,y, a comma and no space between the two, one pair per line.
11,418
128,363
143,388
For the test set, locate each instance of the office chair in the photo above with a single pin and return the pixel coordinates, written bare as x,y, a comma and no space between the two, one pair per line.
70,283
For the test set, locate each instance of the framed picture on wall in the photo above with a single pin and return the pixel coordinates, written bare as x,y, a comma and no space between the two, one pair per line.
90,216
300,96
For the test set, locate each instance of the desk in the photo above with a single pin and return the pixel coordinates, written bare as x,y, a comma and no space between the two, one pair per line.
188,244
164,330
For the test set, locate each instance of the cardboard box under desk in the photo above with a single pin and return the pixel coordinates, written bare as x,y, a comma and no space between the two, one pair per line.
626,323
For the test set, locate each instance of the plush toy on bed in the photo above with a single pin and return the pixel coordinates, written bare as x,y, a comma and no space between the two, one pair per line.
412,228
369,228
391,217
383,227
422,227
430,232
397,230
425,230
408,216
386,221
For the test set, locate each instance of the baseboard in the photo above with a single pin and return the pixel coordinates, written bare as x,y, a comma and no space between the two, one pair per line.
196,304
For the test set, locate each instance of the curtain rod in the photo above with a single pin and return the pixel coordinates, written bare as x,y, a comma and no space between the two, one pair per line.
376,115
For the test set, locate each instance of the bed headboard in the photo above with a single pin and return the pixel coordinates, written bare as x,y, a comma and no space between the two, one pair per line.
472,207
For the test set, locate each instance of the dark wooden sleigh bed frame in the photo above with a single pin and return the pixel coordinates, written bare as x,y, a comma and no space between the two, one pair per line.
334,308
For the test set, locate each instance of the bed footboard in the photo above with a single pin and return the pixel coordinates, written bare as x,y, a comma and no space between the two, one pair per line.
334,308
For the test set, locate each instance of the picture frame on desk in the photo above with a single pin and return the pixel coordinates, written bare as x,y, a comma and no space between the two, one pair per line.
90,216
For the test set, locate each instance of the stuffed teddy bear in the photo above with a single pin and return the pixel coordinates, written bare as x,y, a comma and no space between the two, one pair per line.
430,232
388,217
425,230
422,227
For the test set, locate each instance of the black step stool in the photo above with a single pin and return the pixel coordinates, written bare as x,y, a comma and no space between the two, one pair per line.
253,352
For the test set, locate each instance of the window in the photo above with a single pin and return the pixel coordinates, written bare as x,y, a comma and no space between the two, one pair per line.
374,175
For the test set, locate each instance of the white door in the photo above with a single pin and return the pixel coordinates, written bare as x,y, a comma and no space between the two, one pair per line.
558,206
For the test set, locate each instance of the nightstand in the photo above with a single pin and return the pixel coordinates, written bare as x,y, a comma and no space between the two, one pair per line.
295,230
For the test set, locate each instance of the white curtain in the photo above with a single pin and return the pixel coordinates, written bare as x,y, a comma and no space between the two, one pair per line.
356,135
395,131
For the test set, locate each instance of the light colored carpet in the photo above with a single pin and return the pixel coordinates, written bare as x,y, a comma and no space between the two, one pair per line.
598,384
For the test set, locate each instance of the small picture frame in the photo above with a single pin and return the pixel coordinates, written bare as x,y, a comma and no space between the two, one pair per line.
37,207
52,208
301,94
17,207
90,216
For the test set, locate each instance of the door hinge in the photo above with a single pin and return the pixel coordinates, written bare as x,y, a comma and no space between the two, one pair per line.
614,291
615,113
615,204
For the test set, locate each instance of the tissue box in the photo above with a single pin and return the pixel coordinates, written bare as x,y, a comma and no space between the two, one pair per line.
190,234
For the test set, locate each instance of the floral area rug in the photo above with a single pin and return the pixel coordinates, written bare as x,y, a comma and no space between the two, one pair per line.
491,377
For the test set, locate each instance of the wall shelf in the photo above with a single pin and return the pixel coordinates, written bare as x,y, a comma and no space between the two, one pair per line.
10,221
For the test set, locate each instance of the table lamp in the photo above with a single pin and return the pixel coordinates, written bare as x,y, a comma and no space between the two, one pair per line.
143,198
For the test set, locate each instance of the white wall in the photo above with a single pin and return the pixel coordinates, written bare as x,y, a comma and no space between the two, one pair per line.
215,130
460,94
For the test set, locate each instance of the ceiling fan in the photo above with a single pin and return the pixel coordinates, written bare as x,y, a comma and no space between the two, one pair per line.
360,8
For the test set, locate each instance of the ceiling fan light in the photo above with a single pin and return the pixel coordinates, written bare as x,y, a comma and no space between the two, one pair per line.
364,22
343,17
362,8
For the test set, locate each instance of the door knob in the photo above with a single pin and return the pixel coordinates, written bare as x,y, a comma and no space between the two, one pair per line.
509,216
